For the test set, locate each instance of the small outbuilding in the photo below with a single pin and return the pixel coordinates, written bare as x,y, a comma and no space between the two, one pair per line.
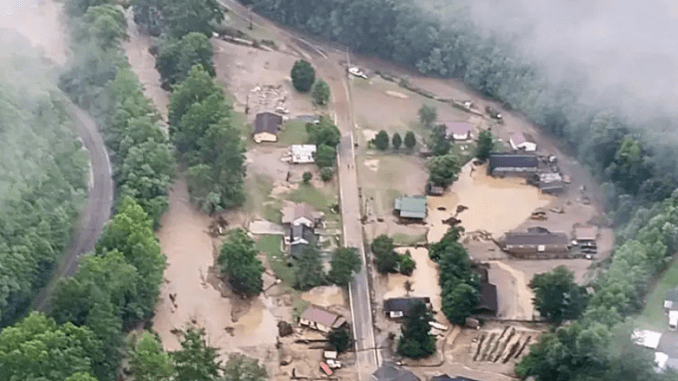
402,307
513,164
303,153
411,207
671,300
645,338
266,127
433,190
585,235
488,304
523,142
321,319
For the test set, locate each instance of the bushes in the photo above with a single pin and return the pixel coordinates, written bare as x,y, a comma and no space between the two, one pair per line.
303,76
176,57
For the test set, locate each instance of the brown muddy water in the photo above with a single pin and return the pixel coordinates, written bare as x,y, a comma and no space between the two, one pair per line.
424,280
39,22
189,252
325,296
494,205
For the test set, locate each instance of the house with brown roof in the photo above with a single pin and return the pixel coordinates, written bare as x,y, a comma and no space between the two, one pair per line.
534,241
321,319
266,127
459,131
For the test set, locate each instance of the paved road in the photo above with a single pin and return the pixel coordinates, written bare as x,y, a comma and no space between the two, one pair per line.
99,199
359,290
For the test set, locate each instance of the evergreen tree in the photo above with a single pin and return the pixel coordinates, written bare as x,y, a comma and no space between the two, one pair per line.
416,341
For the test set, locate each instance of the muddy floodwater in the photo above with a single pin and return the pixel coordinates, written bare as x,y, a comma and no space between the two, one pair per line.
424,280
189,252
39,22
494,205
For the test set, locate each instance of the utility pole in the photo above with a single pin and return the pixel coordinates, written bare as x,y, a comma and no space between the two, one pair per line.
250,9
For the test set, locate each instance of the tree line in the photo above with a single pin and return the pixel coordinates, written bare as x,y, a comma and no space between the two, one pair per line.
44,178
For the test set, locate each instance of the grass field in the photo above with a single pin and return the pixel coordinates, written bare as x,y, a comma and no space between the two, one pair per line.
258,189
321,199
293,132
653,313
401,239
271,245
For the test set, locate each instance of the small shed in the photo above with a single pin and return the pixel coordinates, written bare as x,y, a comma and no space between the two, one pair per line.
303,153
266,127
585,234
645,338
411,207
523,142
433,190
488,300
321,319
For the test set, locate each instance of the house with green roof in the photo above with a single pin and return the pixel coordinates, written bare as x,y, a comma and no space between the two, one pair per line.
411,207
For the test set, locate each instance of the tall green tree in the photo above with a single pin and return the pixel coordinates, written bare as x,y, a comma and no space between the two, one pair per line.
239,263
381,140
196,360
427,115
320,92
239,367
176,57
340,338
309,270
396,141
325,132
443,169
303,76
459,301
148,361
197,87
345,262
556,296
183,17
325,156
384,253
485,145
416,341
438,142
36,348
410,140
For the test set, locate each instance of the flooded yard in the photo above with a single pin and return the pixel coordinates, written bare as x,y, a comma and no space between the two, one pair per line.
494,205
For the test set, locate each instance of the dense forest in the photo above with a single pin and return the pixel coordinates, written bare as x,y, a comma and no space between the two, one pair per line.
44,177
637,168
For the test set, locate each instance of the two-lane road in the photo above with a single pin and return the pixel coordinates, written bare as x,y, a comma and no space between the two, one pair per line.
99,199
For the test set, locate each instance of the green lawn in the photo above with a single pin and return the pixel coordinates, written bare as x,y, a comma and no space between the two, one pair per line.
653,314
258,189
402,239
294,132
321,199
271,245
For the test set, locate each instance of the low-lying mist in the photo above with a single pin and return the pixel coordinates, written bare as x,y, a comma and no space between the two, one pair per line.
620,54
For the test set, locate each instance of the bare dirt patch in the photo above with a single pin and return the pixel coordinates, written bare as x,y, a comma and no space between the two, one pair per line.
325,296
424,279
396,94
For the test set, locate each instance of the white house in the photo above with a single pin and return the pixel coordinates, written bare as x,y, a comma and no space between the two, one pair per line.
303,153
459,131
523,141
266,127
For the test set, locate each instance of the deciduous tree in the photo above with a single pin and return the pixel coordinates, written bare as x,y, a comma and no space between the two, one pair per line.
485,145
443,169
320,92
196,360
556,296
416,341
381,140
239,263
303,76
239,367
345,262
325,132
340,338
309,268
385,256
148,361
427,115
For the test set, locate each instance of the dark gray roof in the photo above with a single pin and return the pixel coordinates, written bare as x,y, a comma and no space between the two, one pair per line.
302,231
267,122
390,372
513,160
404,304
488,298
536,238
444,377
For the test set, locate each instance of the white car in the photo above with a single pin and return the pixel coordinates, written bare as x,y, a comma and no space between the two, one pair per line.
357,72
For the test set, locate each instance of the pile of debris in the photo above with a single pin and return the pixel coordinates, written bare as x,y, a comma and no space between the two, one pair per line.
218,226
268,98
502,347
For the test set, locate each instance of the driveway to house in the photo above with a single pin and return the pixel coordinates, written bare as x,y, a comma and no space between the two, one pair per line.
99,200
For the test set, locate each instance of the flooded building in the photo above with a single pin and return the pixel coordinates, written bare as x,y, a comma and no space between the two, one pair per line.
401,307
523,142
445,377
266,127
535,241
321,319
412,207
513,164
